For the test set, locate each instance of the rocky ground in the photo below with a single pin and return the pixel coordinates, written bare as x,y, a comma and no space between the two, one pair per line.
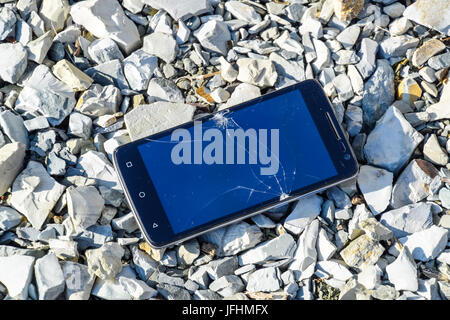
79,78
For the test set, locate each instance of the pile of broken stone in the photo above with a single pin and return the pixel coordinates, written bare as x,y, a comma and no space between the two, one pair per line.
79,78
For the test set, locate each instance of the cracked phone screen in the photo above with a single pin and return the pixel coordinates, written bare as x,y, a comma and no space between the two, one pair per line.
236,160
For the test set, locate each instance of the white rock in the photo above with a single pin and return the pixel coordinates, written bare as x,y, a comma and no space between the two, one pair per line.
286,42
399,26
84,205
362,252
68,35
213,36
325,248
36,23
35,193
106,19
181,10
13,61
396,46
146,120
36,123
16,272
403,272
440,110
64,249
370,276
375,230
356,80
338,273
104,50
183,33
305,211
323,55
243,92
305,256
160,89
264,280
111,289
277,248
427,244
9,218
343,87
54,13
97,167
220,95
98,101
119,138
383,143
243,12
349,36
257,72
368,54
49,277
139,68
80,125
38,48
126,222
138,289
7,21
417,181
105,262
161,45
376,186
11,161
408,219
227,71
24,33
109,73
394,10
433,152
42,77
79,281
425,12
291,69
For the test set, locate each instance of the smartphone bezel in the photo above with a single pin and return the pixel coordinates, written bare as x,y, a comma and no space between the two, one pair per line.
318,106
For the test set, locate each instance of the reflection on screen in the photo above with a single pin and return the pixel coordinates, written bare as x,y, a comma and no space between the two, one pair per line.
236,160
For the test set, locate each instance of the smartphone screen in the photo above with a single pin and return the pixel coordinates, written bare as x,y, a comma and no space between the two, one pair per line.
236,160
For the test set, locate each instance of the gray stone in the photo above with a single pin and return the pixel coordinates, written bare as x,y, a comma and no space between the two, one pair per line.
344,87
353,119
13,61
243,12
53,106
84,205
104,50
278,248
227,285
11,161
79,281
291,69
127,222
162,45
80,125
64,249
375,104
9,218
425,12
243,92
139,68
7,22
222,267
106,19
305,256
174,281
112,289
304,212
35,193
38,48
375,230
138,289
408,219
368,54
349,36
188,252
97,166
171,292
98,101
105,262
433,152
206,295
213,36
16,272
402,273
49,277
146,120
440,61
264,280
370,276
417,181
93,237
109,73
263,222
391,130
181,11
37,123
12,126
324,247
376,186
426,244
160,89
340,198
144,264
426,51
393,47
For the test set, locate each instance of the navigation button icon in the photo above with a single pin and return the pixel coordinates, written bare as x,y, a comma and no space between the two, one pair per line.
155,225
142,195
129,164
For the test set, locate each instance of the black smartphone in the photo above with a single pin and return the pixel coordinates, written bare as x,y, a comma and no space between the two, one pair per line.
234,163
